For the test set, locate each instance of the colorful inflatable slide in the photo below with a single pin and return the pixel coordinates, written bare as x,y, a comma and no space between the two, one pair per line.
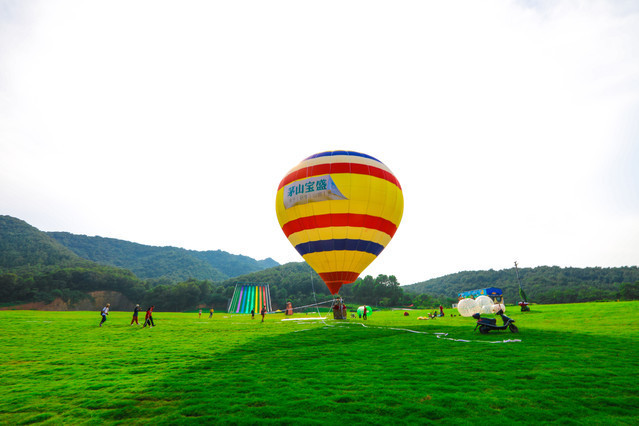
248,297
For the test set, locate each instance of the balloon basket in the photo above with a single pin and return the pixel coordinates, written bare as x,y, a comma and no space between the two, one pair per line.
339,310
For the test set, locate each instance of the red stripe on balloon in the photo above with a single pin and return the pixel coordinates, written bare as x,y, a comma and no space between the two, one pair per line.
340,219
326,169
334,280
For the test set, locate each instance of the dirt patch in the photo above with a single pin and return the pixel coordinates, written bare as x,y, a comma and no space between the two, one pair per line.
95,301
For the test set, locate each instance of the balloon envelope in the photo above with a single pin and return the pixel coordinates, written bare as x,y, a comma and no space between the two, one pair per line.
339,209
360,311
468,307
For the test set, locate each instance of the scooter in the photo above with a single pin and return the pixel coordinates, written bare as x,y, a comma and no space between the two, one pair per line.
487,324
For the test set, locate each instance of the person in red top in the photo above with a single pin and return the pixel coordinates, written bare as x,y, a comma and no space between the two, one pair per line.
441,311
148,319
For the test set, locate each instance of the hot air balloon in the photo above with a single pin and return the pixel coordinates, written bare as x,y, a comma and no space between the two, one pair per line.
339,209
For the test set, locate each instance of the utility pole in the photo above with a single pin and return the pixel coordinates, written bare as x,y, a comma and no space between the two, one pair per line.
524,300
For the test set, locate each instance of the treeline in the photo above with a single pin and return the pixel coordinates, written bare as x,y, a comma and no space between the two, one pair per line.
298,283
71,284
294,282
385,291
625,291
543,284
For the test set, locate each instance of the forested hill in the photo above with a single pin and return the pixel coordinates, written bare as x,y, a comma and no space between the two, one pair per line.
544,284
22,245
38,266
35,267
167,264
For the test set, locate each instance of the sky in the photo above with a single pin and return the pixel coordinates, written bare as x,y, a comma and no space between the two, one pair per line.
512,126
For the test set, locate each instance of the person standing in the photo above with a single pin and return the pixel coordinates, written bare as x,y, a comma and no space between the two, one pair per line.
441,311
136,310
365,311
211,313
253,313
199,315
148,319
104,313
263,312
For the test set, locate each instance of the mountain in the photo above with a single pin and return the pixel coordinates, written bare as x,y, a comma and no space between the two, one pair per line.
233,265
146,262
543,284
22,245
170,264
36,267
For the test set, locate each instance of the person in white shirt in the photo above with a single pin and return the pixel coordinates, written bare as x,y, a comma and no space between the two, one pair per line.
105,312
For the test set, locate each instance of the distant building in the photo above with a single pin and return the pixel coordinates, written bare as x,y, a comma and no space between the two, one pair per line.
493,292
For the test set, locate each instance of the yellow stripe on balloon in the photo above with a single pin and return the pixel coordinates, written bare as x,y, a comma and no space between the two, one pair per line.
353,233
340,260
365,195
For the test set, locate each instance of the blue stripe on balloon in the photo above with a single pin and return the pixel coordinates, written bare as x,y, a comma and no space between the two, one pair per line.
331,153
339,244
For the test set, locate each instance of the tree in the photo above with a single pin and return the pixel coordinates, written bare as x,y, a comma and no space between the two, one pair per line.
629,291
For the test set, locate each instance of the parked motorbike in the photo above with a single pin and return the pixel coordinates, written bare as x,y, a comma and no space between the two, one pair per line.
488,324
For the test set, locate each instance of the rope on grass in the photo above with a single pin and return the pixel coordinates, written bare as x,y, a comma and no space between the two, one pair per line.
308,306
443,336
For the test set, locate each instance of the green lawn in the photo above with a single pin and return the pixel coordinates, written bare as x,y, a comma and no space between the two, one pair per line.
575,364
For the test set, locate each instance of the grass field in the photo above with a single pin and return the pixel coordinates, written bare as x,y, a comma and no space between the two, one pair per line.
575,364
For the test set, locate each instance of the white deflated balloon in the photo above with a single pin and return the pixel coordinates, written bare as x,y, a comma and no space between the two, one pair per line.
485,304
467,307
497,307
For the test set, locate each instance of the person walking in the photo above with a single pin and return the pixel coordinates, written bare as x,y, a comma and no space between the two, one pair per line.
148,319
365,312
104,313
263,312
136,310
